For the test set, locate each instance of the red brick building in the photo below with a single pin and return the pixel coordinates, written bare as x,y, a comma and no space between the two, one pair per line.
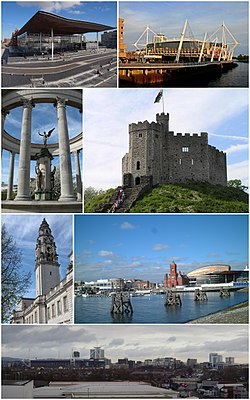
175,278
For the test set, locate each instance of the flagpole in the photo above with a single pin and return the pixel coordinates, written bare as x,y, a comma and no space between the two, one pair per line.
163,100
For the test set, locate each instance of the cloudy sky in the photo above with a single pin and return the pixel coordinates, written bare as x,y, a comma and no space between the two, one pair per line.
24,229
142,247
44,118
223,113
168,17
134,342
16,13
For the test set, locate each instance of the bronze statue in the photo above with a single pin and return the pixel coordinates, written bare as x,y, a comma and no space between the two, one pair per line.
46,135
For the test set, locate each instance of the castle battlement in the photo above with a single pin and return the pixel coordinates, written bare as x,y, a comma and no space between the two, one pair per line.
215,150
144,125
193,135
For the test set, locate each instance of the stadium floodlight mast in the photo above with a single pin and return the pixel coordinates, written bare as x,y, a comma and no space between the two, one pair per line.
227,47
145,34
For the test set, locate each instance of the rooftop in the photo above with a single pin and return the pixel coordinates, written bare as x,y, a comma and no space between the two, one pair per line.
43,22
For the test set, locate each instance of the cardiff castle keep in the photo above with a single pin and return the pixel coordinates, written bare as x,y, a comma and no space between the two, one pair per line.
157,156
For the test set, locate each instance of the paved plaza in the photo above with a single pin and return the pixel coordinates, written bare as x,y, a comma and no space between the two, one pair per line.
85,68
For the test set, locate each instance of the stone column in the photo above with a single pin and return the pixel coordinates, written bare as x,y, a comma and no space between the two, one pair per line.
4,113
67,192
11,176
23,191
78,176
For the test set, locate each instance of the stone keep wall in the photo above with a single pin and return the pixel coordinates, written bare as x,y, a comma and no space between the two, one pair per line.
217,166
168,158
187,158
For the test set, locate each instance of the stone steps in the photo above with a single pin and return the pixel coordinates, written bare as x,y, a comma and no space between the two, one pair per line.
131,195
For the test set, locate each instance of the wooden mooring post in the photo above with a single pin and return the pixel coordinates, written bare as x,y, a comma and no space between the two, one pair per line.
199,295
173,299
121,303
224,293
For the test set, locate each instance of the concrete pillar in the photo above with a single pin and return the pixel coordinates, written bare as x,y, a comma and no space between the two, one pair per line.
67,192
78,176
11,176
52,44
23,191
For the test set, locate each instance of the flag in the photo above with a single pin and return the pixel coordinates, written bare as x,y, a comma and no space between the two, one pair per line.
158,97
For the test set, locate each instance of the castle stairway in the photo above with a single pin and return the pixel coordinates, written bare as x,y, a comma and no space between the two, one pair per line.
131,196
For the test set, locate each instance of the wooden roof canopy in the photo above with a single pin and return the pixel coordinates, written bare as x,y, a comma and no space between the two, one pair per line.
43,22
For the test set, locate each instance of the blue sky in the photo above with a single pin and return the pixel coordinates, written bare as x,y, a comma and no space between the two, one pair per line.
142,247
16,14
169,17
24,229
44,118
223,113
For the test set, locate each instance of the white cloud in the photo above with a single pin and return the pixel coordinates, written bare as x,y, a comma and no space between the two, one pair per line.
127,226
51,6
104,253
239,171
236,147
160,247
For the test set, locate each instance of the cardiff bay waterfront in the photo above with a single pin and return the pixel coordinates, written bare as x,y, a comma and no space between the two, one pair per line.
151,308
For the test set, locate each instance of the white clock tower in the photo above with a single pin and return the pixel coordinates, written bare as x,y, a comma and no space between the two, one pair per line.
47,266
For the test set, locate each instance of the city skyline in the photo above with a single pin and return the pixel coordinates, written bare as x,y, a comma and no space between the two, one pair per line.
223,113
16,14
134,342
138,247
24,229
168,17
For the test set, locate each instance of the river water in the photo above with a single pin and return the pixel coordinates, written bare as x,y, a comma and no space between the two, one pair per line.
151,309
235,77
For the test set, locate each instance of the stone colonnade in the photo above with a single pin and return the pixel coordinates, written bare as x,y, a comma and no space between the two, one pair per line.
66,179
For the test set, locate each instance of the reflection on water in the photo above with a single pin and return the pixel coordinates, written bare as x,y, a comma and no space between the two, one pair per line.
151,309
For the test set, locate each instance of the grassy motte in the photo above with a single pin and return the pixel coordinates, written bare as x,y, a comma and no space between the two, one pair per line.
92,204
193,198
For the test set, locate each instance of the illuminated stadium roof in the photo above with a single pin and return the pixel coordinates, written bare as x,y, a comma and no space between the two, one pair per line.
43,22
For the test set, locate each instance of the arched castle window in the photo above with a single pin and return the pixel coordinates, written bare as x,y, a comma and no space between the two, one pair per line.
185,149
137,180
140,134
138,165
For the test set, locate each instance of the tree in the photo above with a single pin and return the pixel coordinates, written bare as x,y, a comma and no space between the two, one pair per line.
91,193
15,281
236,183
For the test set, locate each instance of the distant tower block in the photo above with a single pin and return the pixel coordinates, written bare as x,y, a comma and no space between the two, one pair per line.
121,304
96,353
157,153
